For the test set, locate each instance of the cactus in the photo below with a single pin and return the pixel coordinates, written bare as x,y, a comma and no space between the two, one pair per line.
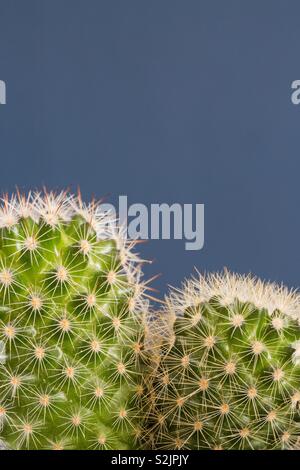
230,376
72,309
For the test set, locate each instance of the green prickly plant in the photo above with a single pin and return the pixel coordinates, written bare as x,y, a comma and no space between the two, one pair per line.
72,310
230,376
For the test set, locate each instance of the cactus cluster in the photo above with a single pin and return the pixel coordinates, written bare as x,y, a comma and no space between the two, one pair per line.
83,365
230,377
72,310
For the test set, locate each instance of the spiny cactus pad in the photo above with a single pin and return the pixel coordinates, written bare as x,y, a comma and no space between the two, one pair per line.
230,378
71,327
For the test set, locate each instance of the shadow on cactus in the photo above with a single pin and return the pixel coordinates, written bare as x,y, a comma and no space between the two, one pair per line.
230,376
71,327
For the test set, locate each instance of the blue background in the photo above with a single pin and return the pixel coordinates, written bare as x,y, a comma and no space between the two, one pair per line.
165,101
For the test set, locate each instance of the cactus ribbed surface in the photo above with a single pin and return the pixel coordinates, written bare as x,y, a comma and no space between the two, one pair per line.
71,327
230,378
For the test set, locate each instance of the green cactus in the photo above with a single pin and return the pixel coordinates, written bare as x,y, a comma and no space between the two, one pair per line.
72,311
230,376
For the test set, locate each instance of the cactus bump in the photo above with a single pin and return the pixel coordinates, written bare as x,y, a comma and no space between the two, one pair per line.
72,309
230,376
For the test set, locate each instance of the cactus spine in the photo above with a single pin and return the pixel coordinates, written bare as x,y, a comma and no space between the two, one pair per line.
230,378
71,327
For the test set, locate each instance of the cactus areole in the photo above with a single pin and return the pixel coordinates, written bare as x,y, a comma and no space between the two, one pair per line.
231,377
71,327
